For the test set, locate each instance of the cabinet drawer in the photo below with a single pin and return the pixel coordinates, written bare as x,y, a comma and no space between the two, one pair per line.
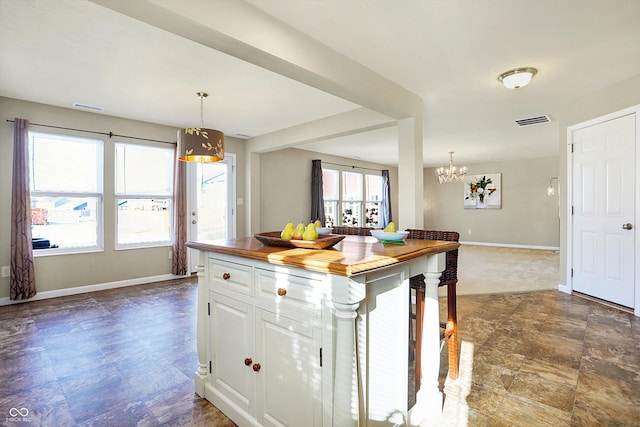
228,276
292,296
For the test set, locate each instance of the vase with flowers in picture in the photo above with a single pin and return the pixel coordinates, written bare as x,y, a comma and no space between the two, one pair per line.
480,190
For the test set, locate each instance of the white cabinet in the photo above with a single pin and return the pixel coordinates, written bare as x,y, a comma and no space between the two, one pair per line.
265,345
289,391
232,337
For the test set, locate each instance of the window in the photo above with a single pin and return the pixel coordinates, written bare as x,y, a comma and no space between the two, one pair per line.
358,200
144,189
352,199
330,185
66,193
373,191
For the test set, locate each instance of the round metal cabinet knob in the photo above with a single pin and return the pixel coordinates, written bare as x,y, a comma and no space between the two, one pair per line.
248,361
226,276
282,292
256,367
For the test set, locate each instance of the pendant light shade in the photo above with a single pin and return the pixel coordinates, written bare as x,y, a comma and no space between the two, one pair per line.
200,144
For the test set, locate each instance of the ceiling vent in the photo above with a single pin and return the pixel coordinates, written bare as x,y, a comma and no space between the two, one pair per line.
533,120
87,107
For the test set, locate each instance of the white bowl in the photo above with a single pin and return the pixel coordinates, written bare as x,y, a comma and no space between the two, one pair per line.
324,230
386,235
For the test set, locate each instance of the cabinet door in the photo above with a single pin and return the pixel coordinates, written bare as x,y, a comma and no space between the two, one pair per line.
232,337
289,381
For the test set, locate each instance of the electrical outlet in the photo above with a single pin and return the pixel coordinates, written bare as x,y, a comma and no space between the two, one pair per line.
469,231
6,271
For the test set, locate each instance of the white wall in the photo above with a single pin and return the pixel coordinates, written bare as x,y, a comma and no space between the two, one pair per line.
528,216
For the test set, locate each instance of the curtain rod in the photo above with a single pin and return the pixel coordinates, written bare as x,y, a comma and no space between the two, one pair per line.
110,134
352,167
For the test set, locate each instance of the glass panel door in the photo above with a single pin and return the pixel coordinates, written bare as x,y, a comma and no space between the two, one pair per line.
211,188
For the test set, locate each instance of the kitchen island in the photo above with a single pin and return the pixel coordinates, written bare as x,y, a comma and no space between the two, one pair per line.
306,337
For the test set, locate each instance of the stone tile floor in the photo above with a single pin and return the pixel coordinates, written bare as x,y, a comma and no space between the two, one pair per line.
126,357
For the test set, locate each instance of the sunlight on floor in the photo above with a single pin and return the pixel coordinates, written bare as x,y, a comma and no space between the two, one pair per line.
455,412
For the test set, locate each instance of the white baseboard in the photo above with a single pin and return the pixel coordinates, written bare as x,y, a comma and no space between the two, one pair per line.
92,288
564,288
508,245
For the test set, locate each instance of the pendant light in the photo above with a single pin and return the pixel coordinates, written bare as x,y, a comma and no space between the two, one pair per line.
200,144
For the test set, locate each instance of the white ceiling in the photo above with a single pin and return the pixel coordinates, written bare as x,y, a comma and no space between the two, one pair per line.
448,52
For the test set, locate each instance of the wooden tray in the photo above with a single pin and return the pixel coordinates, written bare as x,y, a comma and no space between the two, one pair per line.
272,238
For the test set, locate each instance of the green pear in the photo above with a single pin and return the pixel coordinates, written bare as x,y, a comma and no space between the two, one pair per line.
390,228
318,224
287,232
310,233
297,233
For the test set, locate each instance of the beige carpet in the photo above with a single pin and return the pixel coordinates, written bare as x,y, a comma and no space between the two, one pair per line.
490,269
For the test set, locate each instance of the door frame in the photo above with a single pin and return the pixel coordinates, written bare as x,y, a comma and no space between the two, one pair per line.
568,288
230,159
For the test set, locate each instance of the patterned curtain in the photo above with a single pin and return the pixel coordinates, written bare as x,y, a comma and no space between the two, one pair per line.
385,208
22,278
317,199
179,266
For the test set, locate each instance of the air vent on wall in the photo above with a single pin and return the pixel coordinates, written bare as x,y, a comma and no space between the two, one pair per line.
87,107
532,120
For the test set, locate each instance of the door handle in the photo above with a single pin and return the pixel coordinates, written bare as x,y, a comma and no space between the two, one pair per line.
627,226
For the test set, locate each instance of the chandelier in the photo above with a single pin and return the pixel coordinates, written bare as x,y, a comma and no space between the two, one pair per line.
450,174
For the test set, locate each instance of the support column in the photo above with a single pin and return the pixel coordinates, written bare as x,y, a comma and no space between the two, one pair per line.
346,396
200,377
410,174
429,398
252,198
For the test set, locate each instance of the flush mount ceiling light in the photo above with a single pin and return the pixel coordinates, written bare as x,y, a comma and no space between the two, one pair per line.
450,174
517,78
200,144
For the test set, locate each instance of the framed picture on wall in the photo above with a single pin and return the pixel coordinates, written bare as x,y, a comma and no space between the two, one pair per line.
483,191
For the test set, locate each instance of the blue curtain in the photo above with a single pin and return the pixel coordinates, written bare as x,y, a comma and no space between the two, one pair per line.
385,208
317,199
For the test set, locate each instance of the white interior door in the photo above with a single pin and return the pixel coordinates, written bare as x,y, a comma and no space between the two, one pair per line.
604,210
211,200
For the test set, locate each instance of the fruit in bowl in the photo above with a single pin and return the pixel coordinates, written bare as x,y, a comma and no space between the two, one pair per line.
300,232
391,227
324,230
389,236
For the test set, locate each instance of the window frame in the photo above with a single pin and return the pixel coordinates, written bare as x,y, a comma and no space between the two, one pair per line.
334,202
362,200
98,196
368,199
118,196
